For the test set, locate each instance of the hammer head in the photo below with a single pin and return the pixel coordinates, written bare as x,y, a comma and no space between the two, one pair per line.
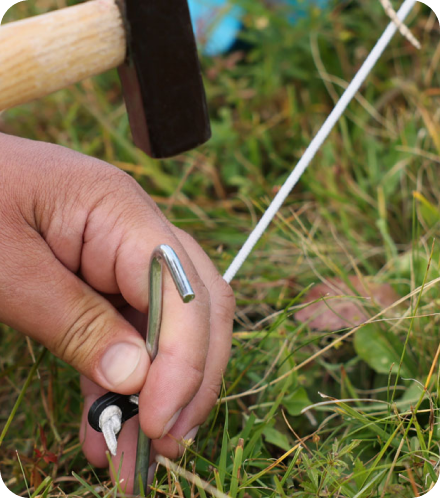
162,80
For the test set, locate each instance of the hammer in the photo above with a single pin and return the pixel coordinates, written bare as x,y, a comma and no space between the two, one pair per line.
152,42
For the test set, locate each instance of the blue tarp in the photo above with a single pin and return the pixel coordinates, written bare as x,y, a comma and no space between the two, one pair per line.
218,22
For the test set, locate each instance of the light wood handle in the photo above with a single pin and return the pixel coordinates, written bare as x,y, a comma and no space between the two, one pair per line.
43,54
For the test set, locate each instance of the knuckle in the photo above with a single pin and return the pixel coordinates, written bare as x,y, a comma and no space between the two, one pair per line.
112,183
122,183
121,199
211,393
77,343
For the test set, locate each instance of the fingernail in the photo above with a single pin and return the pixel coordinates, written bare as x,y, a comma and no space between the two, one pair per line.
151,471
192,434
170,424
119,362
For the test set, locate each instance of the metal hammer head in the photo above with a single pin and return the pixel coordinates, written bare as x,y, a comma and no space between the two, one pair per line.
161,78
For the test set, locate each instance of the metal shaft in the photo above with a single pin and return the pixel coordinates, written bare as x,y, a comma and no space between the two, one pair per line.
162,254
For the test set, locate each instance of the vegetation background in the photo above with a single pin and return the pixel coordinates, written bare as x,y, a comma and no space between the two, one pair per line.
313,405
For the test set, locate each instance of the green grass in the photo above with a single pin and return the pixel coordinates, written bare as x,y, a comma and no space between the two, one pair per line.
369,205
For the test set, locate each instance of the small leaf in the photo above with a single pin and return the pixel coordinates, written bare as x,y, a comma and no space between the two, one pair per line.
50,458
312,473
381,350
411,396
36,479
296,402
276,438
359,473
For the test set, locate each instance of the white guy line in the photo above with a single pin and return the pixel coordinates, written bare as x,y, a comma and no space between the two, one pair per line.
319,139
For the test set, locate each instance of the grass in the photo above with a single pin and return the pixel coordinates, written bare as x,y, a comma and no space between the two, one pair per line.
304,413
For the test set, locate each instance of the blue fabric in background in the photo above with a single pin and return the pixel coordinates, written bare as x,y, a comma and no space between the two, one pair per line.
223,21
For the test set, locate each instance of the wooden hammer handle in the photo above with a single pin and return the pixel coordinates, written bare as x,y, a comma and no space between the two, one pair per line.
43,54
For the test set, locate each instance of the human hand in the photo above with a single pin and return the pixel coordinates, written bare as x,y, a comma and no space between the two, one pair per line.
76,235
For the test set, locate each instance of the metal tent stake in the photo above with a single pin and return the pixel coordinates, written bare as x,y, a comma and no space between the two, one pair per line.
162,254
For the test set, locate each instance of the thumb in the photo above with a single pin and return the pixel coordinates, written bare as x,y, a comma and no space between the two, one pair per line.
43,299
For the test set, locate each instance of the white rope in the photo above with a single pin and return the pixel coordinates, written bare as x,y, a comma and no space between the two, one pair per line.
110,423
316,143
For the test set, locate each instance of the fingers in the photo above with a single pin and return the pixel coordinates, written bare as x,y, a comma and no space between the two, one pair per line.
221,320
179,367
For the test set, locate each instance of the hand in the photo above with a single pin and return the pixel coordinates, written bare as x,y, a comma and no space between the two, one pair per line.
76,235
